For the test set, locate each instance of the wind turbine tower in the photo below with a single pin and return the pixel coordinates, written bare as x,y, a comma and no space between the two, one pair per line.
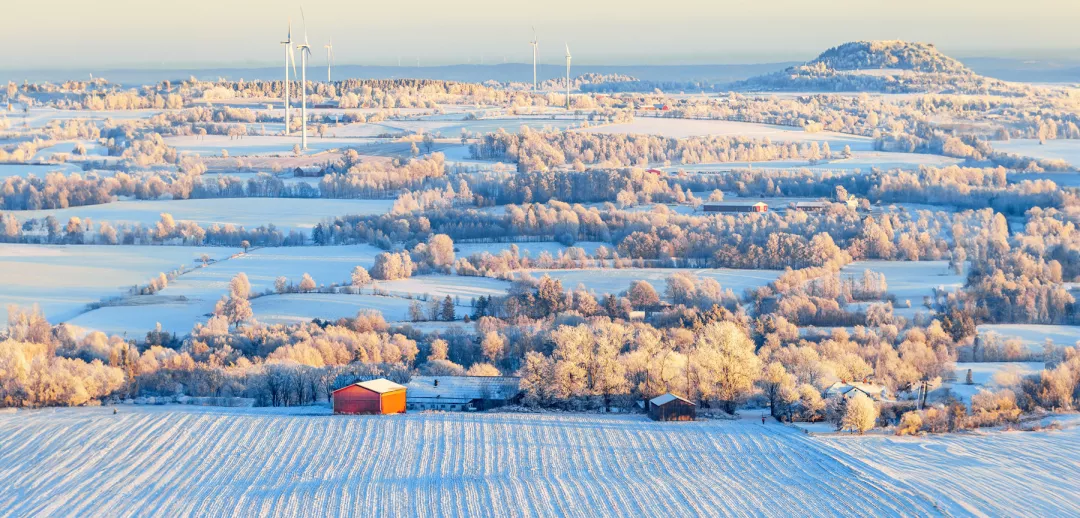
305,51
288,54
567,76
329,58
535,45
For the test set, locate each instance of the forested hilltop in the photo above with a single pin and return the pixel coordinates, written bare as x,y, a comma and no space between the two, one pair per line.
881,66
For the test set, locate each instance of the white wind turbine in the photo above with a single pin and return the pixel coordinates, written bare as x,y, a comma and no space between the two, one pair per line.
305,51
329,57
535,45
289,54
567,76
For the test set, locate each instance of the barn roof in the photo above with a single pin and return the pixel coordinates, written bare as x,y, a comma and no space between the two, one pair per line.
667,398
463,388
379,386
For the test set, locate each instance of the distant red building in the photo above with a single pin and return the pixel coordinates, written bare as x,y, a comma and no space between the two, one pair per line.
379,396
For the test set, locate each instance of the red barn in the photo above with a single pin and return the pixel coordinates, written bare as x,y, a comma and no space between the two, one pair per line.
380,396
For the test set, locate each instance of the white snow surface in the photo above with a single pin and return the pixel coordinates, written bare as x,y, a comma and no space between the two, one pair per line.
1067,150
295,308
287,214
200,461
202,288
63,279
982,473
909,280
1034,335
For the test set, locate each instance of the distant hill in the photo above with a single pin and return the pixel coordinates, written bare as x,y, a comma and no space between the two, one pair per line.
883,55
880,66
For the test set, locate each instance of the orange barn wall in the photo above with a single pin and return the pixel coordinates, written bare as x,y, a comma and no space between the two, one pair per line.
393,402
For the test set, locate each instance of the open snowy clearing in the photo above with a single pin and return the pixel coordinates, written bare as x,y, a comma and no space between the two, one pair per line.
188,299
41,117
982,376
94,150
62,280
682,128
287,214
180,461
258,145
38,170
612,280
909,280
457,286
1067,150
981,473
304,307
1034,336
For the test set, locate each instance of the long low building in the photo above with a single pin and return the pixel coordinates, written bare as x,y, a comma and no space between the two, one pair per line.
462,392
734,206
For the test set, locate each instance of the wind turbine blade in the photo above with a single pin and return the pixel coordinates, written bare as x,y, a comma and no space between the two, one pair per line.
305,23
292,57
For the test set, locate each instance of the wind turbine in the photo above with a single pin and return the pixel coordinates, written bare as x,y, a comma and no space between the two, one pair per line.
535,45
568,76
305,51
329,57
288,54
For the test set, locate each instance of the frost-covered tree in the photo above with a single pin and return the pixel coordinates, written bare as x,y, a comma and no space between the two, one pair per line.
861,414
307,284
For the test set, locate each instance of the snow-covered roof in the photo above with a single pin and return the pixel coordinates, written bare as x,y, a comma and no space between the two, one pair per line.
381,385
870,389
462,388
667,398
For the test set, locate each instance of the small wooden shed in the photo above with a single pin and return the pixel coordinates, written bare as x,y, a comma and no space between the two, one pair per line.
380,396
670,407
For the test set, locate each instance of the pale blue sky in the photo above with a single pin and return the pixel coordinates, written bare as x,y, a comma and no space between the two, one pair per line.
197,33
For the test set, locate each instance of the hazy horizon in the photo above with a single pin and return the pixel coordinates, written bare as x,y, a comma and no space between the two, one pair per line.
204,34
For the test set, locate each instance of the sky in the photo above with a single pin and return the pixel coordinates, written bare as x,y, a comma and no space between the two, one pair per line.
78,34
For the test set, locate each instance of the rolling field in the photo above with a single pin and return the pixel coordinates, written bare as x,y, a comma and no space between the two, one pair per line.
179,461
62,280
982,474
191,297
300,214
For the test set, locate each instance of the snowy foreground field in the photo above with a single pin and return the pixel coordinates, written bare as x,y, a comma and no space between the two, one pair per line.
176,461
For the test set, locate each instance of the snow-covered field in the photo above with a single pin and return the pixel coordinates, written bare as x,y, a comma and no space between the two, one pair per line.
287,214
175,461
62,280
909,280
41,117
611,280
255,145
442,285
38,170
1067,150
980,474
189,298
1034,335
682,128
304,307
982,376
